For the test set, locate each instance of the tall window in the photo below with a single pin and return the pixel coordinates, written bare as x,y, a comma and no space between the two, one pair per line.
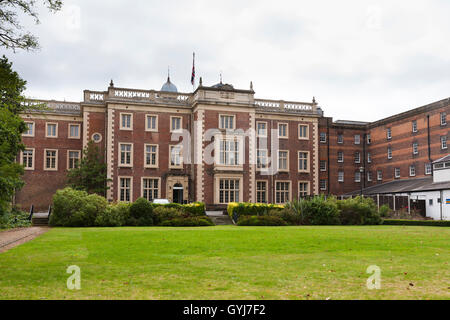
369,157
226,122
412,171
176,159
261,191
389,153
369,139
30,129
369,176
126,154
303,159
397,173
74,159
261,159
340,138
303,132
261,129
282,191
151,123
414,126
52,130
125,189
444,142
175,124
303,189
341,176
340,156
229,153
323,184
74,131
228,190
151,155
357,139
283,162
428,169
379,175
389,134
150,188
358,176
323,137
415,148
443,118
323,165
51,160
126,121
28,159
357,157
282,130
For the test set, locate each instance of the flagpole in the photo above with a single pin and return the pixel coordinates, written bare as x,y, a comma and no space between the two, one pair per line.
193,72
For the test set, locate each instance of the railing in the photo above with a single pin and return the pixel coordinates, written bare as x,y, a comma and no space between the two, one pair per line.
31,212
285,106
52,106
123,94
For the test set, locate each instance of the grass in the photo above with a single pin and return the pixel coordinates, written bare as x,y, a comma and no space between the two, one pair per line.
231,263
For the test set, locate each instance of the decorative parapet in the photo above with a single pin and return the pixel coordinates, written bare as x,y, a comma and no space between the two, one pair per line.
285,106
60,107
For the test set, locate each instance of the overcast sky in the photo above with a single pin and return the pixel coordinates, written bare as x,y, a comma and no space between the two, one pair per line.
362,60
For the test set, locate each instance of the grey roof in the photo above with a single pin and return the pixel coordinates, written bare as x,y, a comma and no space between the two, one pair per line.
405,186
361,123
444,159
169,86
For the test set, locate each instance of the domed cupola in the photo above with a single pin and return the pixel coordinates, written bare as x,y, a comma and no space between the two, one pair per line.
169,86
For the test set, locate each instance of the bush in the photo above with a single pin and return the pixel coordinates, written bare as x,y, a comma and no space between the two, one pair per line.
261,221
429,223
320,211
188,222
73,208
115,215
384,211
195,209
164,213
141,213
235,210
14,219
288,215
359,211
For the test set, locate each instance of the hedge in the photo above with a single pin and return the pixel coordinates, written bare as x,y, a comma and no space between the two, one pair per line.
429,223
188,222
193,209
261,221
235,209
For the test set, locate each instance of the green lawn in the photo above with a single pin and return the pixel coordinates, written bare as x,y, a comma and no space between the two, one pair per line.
231,263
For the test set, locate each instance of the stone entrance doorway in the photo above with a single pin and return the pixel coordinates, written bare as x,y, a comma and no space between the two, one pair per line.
177,189
177,194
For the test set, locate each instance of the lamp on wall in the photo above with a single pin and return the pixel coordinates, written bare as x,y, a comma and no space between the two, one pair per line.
361,171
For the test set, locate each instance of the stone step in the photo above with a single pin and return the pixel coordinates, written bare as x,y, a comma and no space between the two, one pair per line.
39,221
221,220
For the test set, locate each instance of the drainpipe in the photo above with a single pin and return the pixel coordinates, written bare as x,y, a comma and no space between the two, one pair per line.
429,145
328,158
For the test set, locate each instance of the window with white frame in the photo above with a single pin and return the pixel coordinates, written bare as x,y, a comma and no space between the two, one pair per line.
340,156
389,134
323,184
261,128
151,155
357,176
28,159
428,169
151,122
357,139
380,175
397,173
443,118
51,130
228,190
150,188
323,165
444,142
369,139
369,176
303,189
176,159
126,121
226,122
30,129
341,176
261,158
415,148
175,124
261,191
51,160
303,161
303,132
340,138
369,157
74,131
389,153
229,152
124,189
126,154
282,191
283,130
323,137
412,171
283,160
74,158
357,157
414,126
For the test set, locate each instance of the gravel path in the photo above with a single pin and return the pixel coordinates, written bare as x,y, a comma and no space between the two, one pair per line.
15,237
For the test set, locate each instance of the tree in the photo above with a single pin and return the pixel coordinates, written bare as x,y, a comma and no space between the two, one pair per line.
12,35
11,128
90,175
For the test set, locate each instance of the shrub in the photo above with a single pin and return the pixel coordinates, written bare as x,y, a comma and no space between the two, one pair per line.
188,222
14,219
235,210
384,210
261,221
430,223
164,213
115,215
358,211
141,213
73,208
289,216
195,209
320,211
